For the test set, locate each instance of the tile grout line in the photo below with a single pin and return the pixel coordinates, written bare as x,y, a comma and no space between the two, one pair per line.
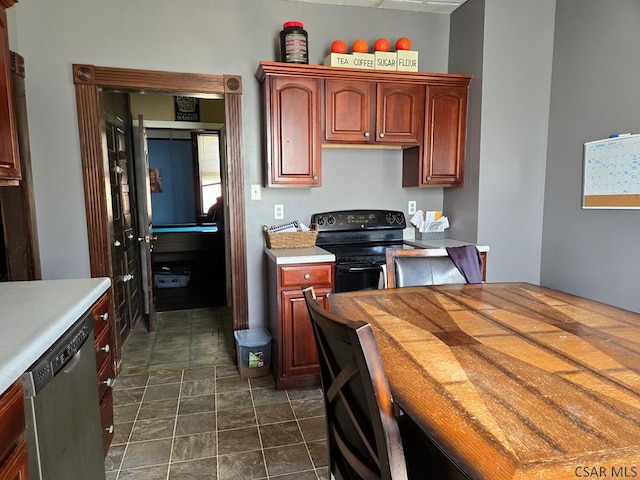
175,424
215,399
255,413
304,440
126,445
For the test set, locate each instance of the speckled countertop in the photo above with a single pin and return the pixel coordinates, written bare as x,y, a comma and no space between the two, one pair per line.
285,256
33,315
443,244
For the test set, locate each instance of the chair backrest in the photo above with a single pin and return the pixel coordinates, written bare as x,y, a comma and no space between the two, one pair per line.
362,430
420,266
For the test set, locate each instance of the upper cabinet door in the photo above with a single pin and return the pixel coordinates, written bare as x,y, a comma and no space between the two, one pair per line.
293,133
9,155
367,113
445,140
348,111
399,113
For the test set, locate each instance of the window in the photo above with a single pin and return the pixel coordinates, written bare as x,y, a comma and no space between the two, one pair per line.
208,145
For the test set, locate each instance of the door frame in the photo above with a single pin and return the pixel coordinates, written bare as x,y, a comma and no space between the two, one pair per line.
89,80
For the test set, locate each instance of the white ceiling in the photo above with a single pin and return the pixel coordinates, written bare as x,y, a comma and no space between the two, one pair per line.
432,6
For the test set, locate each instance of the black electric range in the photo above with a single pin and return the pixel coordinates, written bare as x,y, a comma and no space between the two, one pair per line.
359,239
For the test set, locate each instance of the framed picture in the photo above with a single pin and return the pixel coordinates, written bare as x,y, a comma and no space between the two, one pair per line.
187,109
155,180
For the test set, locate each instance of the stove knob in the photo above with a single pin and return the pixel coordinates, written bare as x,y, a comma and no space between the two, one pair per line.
331,221
390,217
320,221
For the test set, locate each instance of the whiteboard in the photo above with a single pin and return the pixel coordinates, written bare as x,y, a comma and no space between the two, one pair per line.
612,173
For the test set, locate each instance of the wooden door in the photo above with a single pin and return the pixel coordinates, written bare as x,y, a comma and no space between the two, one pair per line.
126,279
445,139
347,111
9,157
293,143
145,238
299,356
399,113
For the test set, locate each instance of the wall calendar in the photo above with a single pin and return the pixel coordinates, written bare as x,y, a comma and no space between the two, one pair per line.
612,173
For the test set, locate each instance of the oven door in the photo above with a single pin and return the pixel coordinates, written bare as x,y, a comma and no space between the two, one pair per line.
351,277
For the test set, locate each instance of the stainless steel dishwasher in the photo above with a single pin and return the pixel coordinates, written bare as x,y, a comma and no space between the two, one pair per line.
64,433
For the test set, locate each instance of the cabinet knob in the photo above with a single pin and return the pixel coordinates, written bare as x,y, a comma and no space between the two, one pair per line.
117,243
108,382
307,276
428,179
105,316
315,178
366,134
130,236
109,429
381,134
105,349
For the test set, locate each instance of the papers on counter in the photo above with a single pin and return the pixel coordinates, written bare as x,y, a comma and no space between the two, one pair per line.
294,226
430,221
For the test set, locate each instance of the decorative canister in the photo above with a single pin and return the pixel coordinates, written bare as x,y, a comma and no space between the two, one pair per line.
293,43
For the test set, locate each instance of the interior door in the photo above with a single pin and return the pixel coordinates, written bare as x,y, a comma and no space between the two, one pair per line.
145,237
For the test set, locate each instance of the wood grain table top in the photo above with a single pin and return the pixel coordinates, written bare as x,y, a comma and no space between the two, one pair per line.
513,380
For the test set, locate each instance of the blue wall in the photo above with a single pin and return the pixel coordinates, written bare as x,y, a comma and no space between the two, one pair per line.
176,202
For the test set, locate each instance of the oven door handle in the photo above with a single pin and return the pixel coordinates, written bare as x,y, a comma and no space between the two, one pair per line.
348,269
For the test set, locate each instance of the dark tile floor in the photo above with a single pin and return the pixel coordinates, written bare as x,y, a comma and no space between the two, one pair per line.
183,412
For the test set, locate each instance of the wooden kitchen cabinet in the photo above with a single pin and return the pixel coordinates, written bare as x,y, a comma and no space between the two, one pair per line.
9,156
13,447
373,113
294,356
293,139
439,160
425,114
103,333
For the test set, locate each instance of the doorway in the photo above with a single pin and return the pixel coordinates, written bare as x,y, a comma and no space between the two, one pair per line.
187,211
89,80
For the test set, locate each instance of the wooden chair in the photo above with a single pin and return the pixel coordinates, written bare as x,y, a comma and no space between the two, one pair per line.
420,266
365,438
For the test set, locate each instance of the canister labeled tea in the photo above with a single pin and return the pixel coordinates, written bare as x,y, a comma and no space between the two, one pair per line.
293,43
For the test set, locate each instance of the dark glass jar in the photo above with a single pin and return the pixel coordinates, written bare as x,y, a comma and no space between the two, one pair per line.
293,43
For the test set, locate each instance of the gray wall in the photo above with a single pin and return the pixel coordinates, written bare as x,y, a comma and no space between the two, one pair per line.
507,45
198,36
594,93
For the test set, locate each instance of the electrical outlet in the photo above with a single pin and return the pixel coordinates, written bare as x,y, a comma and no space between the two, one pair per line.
411,209
278,212
255,192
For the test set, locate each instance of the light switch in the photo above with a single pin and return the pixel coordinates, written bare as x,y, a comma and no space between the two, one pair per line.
256,194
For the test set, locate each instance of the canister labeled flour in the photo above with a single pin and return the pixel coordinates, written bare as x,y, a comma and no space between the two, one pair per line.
293,43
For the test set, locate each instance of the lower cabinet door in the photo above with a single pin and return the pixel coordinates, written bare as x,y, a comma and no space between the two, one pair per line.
299,356
16,466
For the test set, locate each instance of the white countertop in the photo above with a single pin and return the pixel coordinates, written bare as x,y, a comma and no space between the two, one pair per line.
443,244
33,315
283,256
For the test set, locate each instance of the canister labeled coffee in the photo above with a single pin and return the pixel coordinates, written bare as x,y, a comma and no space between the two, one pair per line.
293,43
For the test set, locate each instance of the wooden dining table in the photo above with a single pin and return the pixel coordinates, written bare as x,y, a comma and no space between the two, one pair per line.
512,380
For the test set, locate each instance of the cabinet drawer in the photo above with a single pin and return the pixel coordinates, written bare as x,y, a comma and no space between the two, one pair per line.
106,419
105,377
11,419
100,312
103,346
16,468
300,275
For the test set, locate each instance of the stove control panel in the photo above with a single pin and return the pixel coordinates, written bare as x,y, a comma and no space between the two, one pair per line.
348,220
